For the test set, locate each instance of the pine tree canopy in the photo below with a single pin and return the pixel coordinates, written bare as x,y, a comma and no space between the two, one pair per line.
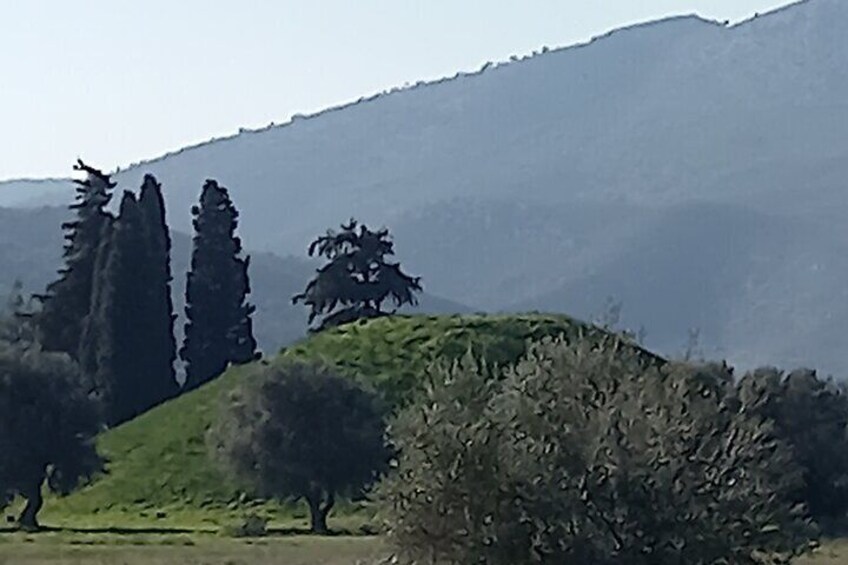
68,299
357,279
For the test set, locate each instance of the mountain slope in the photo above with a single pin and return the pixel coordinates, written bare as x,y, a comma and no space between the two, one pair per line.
510,186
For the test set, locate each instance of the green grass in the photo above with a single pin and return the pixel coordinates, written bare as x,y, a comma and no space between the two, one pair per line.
193,549
158,472
65,549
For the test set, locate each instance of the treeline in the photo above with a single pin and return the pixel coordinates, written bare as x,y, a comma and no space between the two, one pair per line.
98,347
583,452
111,310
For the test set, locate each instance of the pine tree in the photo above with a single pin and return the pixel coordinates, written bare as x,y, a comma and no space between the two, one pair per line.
357,279
68,299
161,348
219,330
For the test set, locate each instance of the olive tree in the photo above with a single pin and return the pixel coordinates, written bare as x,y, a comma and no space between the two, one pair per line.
590,454
47,427
811,415
300,431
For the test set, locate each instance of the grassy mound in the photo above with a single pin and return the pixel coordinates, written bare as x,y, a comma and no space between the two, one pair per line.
159,472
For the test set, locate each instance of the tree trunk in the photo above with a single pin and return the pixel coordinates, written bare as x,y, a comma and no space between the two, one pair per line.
319,509
28,519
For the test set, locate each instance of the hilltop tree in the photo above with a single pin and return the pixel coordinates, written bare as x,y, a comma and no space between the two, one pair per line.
67,300
219,330
47,428
126,336
357,279
300,431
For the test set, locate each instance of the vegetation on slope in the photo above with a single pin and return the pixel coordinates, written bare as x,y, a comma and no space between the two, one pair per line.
159,463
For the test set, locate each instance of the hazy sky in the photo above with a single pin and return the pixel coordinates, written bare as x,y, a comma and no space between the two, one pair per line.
117,81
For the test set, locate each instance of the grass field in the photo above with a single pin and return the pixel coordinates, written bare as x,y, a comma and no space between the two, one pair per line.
140,549
198,549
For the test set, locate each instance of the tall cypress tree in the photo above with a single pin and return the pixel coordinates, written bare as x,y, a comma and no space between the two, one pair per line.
219,329
128,344
161,348
68,299
113,346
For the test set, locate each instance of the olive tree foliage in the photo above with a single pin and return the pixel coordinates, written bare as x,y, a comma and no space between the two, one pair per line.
47,427
585,454
300,431
811,415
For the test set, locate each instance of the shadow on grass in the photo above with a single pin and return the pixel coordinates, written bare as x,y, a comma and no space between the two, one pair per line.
111,530
124,531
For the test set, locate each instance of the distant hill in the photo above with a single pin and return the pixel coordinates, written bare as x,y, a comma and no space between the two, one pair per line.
159,462
553,180
32,247
35,193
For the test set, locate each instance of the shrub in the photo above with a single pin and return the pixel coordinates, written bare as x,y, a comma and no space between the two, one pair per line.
252,526
811,415
587,455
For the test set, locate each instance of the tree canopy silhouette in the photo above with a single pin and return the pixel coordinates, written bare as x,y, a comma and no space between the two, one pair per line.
357,279
219,323
67,300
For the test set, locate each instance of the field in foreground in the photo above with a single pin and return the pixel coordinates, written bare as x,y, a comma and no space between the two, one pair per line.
100,549
108,549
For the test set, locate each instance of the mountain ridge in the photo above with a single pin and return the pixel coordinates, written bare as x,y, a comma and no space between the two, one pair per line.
488,66
520,186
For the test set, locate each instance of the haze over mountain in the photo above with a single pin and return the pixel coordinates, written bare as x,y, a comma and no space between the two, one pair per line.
693,170
32,251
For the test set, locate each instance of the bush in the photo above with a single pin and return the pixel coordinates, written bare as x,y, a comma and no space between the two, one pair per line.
588,455
252,526
811,415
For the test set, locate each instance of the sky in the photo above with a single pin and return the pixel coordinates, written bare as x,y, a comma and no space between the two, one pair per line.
117,81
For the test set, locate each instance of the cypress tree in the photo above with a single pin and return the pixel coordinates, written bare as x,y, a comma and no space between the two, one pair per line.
67,300
127,343
219,329
114,346
161,348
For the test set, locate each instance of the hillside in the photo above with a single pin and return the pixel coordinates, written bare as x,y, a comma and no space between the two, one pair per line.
541,183
158,461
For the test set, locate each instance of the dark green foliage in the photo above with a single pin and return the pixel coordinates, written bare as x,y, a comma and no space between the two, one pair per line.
811,415
127,341
219,330
585,454
16,321
160,350
68,299
357,279
47,427
300,431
